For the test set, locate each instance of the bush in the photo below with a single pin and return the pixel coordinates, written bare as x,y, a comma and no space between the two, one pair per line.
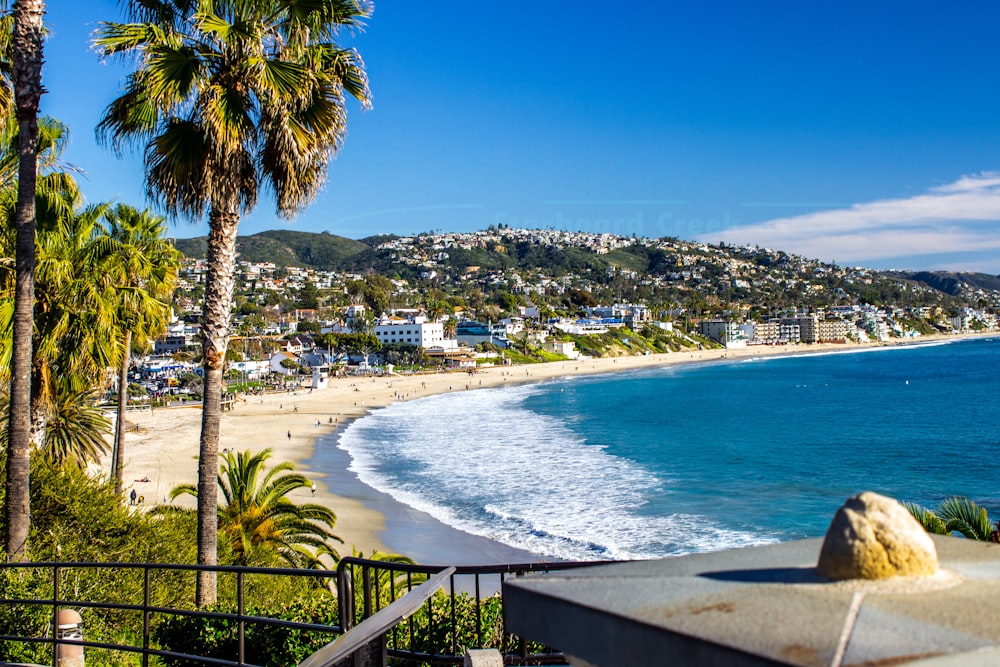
24,620
264,644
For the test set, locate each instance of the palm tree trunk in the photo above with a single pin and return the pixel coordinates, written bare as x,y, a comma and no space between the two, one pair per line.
214,340
27,77
39,406
118,453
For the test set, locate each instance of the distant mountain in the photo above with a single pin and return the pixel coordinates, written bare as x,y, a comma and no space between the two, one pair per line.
951,282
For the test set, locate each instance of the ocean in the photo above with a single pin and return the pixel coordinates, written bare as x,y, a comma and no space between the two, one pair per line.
692,458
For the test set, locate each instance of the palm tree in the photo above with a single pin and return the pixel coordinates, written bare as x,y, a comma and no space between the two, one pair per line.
74,320
230,96
262,526
26,75
145,269
64,271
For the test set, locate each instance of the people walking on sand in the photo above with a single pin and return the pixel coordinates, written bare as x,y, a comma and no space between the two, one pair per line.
131,497
289,435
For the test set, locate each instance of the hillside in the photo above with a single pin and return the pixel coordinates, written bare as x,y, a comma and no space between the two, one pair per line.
664,270
953,283
322,251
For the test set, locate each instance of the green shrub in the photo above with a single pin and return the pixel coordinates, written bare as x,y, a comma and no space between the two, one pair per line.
24,620
264,644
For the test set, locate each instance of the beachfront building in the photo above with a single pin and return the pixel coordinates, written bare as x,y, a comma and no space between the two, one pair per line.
630,314
291,368
587,327
726,332
808,324
251,369
472,333
836,331
412,331
760,333
566,348
876,327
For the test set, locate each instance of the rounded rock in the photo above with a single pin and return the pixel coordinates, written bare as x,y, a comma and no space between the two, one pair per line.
874,537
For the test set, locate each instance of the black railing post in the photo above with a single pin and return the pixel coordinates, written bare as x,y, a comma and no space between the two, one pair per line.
55,614
454,617
479,615
503,621
367,577
239,612
146,600
345,595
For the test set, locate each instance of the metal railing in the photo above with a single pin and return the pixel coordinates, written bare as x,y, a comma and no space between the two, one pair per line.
139,613
469,615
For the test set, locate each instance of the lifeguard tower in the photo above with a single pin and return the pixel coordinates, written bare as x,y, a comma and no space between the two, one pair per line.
320,377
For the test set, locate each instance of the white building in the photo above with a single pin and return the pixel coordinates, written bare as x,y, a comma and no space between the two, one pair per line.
410,332
723,331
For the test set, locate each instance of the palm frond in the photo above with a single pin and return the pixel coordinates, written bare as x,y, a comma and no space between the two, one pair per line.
964,516
926,518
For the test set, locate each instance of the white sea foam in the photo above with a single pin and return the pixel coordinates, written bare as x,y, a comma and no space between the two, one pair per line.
484,463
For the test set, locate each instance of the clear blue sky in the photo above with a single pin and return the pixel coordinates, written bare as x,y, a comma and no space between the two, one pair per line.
857,132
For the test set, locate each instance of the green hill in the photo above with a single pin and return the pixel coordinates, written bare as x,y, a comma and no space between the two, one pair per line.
323,251
951,283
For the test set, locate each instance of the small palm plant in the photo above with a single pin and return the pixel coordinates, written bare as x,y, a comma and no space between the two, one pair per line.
76,427
261,524
957,515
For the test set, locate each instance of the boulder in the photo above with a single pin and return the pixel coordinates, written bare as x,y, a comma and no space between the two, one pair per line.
874,537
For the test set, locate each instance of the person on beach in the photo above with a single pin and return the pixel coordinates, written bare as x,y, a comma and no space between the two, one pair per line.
131,497
289,435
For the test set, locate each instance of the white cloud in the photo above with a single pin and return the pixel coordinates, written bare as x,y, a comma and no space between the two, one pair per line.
960,217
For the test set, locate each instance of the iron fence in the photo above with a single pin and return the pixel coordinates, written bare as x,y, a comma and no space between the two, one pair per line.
468,615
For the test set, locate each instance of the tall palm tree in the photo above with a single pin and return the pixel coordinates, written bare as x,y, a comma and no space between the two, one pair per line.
260,523
74,320
230,96
72,317
145,270
26,75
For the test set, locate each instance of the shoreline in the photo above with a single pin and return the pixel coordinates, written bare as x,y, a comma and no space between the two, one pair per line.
302,427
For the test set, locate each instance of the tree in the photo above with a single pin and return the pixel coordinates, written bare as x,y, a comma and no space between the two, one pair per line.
26,45
73,322
230,96
145,269
308,296
262,526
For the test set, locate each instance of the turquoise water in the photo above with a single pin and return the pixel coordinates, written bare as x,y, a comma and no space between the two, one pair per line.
693,458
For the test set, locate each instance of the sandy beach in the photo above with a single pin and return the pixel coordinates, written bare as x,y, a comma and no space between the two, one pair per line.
301,427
